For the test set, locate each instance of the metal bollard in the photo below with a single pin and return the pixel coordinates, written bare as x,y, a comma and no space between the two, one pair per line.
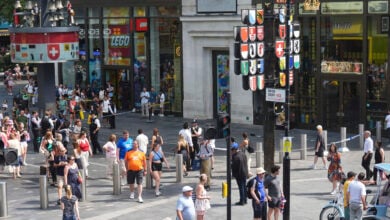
149,179
259,146
116,179
325,134
3,200
83,186
44,191
281,154
361,135
343,134
303,146
179,168
379,131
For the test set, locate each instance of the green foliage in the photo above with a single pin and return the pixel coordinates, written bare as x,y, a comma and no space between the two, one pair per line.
6,10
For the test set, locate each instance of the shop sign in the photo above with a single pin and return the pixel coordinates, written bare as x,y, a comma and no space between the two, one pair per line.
378,7
275,95
347,27
353,7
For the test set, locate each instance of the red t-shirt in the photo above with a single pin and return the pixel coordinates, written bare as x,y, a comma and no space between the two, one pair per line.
84,144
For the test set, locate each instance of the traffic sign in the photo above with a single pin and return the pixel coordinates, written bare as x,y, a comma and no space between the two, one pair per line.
275,95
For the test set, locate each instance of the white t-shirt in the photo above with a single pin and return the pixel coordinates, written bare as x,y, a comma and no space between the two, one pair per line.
186,133
105,105
387,121
162,98
356,190
187,207
368,145
110,148
143,142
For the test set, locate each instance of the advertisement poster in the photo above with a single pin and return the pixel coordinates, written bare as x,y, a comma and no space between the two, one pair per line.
222,67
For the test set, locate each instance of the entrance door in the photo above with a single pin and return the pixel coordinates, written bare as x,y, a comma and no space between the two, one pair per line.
341,105
120,79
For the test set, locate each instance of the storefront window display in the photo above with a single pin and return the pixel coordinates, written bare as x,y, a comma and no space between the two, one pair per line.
94,35
140,67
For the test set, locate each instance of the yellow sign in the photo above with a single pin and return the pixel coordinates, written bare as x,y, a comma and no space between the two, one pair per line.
224,189
287,144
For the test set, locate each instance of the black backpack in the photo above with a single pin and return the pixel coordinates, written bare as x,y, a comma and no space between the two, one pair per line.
249,185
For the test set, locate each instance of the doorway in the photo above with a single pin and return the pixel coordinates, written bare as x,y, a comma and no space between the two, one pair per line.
341,104
120,79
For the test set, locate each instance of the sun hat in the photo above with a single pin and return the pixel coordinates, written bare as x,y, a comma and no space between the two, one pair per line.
187,188
260,170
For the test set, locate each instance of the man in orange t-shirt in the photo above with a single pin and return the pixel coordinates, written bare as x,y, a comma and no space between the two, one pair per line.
135,161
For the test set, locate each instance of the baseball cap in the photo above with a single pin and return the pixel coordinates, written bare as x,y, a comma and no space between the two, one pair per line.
234,146
260,170
187,188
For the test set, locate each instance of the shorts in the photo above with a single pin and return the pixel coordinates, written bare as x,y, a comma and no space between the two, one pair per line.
60,180
258,209
23,144
156,166
319,153
275,203
132,176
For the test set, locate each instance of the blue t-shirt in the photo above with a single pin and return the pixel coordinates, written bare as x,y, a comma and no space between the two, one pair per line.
153,96
260,189
187,207
124,146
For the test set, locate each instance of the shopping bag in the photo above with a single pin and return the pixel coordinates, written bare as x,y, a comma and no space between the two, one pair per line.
81,115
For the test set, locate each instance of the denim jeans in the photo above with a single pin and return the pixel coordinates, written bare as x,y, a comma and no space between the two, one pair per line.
242,189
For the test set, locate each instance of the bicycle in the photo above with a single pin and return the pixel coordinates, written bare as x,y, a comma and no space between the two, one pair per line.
334,210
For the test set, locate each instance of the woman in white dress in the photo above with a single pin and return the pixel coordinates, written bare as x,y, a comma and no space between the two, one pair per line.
202,201
111,158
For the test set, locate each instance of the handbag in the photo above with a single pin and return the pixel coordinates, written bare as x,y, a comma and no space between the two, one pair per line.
79,179
207,204
250,149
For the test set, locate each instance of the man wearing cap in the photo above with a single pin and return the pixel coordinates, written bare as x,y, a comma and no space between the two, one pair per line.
239,171
350,177
185,208
319,148
94,132
259,195
196,132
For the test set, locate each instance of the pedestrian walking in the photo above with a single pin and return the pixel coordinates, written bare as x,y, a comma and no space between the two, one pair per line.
156,138
183,148
142,140
356,197
161,96
368,152
239,171
334,169
259,195
202,201
60,161
70,205
71,175
111,158
379,157
186,133
136,169
274,191
319,148
185,208
124,144
86,150
156,159
205,155
350,177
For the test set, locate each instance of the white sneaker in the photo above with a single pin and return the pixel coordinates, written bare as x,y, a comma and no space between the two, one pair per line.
158,193
133,110
333,192
313,167
161,115
324,168
132,195
140,200
152,114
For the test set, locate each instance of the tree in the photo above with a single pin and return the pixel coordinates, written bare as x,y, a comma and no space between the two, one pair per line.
6,10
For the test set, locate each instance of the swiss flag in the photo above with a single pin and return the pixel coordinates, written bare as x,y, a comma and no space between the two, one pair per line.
53,51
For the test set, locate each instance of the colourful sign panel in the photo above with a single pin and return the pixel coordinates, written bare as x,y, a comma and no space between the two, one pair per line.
44,47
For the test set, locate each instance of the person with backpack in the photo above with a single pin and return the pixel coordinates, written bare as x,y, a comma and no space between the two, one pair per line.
239,171
258,194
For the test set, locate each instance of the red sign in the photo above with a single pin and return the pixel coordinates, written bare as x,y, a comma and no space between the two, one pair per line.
141,24
279,48
53,51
